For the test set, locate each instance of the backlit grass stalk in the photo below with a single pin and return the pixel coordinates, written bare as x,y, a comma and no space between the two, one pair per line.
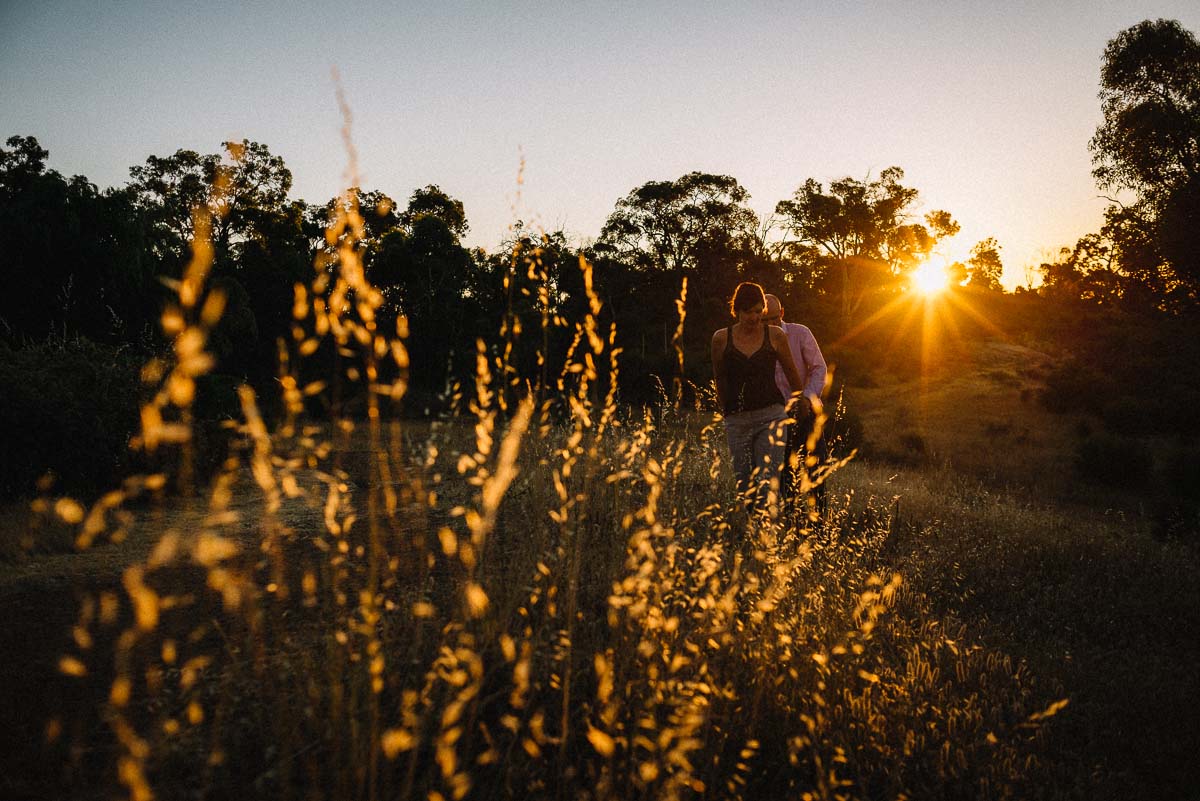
549,595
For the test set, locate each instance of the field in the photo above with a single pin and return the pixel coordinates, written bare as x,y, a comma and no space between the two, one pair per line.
570,603
546,593
325,499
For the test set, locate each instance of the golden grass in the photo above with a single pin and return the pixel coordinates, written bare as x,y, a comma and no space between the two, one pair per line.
546,596
979,415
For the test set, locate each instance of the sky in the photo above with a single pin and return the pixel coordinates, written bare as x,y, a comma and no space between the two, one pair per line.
551,112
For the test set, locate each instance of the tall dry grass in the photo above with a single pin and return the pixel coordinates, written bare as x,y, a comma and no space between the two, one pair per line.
545,595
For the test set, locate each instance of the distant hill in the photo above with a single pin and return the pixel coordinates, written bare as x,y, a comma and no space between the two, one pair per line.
977,411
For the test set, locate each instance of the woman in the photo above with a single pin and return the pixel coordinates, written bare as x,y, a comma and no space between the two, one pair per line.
744,356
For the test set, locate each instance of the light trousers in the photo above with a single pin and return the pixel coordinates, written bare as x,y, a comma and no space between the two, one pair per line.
758,444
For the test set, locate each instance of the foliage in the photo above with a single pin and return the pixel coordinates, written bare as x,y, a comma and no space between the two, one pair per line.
1149,144
664,225
73,256
984,267
551,598
1113,460
69,408
1072,386
431,201
245,188
1150,89
860,236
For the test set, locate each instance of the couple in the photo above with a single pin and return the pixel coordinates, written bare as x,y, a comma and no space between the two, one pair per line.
770,376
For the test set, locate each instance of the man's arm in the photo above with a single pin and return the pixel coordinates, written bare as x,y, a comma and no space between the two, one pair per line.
815,367
783,350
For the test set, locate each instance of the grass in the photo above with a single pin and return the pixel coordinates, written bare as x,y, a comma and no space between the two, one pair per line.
551,596
978,415
1088,598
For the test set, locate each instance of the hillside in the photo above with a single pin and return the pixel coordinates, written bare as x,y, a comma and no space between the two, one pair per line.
977,413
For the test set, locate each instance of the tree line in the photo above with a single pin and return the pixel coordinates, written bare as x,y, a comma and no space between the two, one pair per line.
91,263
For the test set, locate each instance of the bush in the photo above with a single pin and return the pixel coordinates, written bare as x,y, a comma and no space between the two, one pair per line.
1114,461
69,408
854,364
1149,414
1075,387
1177,513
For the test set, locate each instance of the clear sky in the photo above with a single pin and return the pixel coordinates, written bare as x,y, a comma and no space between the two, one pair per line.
987,106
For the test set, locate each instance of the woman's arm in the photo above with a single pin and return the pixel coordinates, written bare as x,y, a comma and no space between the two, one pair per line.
718,363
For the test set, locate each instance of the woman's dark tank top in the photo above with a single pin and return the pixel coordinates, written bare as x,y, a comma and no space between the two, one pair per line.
750,380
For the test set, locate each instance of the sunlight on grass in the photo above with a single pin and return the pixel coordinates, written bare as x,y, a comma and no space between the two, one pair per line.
540,594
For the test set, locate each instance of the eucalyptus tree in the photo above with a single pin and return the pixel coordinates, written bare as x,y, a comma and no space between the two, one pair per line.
860,236
663,225
72,255
426,275
431,201
257,234
697,227
984,267
244,189
1149,145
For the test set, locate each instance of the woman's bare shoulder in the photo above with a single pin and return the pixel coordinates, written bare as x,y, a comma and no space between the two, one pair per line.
719,335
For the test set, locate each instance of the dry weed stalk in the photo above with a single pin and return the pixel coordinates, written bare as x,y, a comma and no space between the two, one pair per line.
549,597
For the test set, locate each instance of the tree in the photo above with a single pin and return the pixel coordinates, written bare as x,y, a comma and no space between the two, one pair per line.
245,190
663,225
379,218
1150,93
1088,272
257,193
269,265
1149,143
531,291
259,238
432,201
72,255
860,234
24,163
984,267
167,190
425,273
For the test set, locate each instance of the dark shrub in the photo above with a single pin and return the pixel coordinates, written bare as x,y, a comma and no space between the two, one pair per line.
1126,415
913,443
68,408
1161,413
1178,512
1181,473
1075,387
852,365
1114,461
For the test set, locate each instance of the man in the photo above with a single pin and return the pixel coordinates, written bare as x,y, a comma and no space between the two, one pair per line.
811,365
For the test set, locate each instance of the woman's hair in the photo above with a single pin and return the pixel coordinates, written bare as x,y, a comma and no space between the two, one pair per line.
747,295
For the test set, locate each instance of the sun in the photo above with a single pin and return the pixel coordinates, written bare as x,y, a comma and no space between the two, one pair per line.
930,278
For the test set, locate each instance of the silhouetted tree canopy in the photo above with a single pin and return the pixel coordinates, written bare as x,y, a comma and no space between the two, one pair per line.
859,236
1149,144
74,258
663,225
984,267
431,201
